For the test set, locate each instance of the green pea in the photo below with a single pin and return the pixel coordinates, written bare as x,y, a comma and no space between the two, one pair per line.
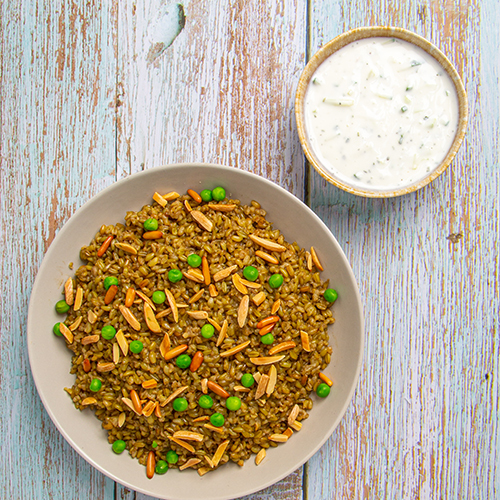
206,401
275,281
207,331
136,346
57,330
217,420
251,273
155,444
247,380
330,295
180,404
267,339
174,275
194,260
151,224
109,281
172,457
108,332
183,361
323,390
206,195
62,307
233,403
95,385
161,467
159,297
219,193
119,446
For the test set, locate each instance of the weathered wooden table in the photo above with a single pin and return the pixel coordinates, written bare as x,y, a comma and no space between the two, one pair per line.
89,95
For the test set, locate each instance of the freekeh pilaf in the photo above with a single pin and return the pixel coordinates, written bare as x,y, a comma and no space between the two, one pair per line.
198,332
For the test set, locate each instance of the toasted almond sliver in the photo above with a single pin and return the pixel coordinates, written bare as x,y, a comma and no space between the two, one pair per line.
283,346
234,350
172,304
171,196
315,259
146,299
78,298
204,385
257,376
222,208
209,461
203,470
121,419
126,247
309,261
202,220
273,377
201,419
260,456
220,452
175,351
90,339
163,313
160,199
213,290
165,345
259,298
149,316
296,425
191,275
238,284
92,317
196,296
276,306
243,310
240,388
129,403
188,206
172,396
149,408
249,284
157,410
68,292
189,436
130,318
214,324
266,360
268,258
261,388
180,442
149,384
211,427
116,353
89,401
224,273
293,415
222,334
267,244
198,314
278,438
304,338
68,334
105,366
122,342
325,379
190,463
288,433
76,323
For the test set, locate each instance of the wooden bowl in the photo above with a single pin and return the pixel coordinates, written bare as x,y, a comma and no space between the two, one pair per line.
337,44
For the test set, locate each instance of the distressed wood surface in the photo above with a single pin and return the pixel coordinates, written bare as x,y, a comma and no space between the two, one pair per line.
88,95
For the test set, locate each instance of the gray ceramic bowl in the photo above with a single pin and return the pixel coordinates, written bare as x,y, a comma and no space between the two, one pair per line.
83,431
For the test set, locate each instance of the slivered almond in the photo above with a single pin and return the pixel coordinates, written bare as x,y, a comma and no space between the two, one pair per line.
165,345
68,292
76,323
122,342
260,456
203,470
171,196
129,403
259,298
288,433
201,419
250,284
273,377
78,298
163,313
121,419
172,396
89,339
211,427
293,415
325,379
235,349
296,426
276,306
224,273
129,297
160,199
180,442
270,320
266,360
192,276
238,284
149,384
315,259
304,338
68,334
220,452
172,304
197,296
257,376
240,388
202,220
222,208
261,388
209,461
267,257
196,197
267,244
214,324
205,268
130,318
204,385
157,410
188,206
278,438
198,314
92,317
283,346
188,436
89,401
149,316
146,299
105,366
213,290
222,334
217,389
149,408
190,463
175,351
116,353
126,248
309,261
243,310
198,273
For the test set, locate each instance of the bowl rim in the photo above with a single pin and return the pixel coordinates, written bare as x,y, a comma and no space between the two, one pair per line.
372,32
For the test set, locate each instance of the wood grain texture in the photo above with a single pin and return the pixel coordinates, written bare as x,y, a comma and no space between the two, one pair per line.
424,420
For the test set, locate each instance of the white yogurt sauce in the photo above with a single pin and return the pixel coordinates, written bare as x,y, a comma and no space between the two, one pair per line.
381,113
